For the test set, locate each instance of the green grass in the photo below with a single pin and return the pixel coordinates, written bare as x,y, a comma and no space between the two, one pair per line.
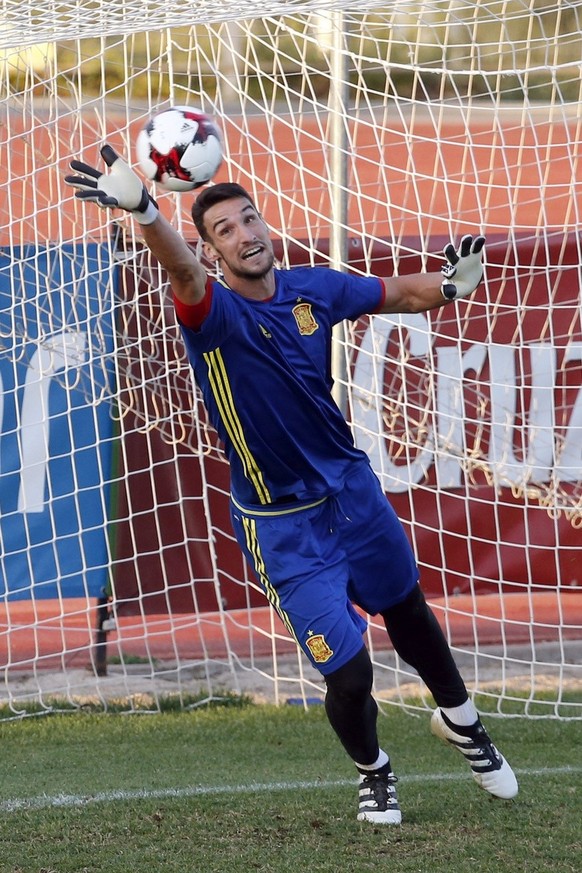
220,790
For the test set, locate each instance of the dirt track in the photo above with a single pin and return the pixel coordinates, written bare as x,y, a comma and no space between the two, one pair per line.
504,173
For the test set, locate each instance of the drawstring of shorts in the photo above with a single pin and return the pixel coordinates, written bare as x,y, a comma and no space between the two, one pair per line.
336,511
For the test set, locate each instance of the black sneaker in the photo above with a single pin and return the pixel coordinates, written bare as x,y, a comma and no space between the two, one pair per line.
378,801
490,769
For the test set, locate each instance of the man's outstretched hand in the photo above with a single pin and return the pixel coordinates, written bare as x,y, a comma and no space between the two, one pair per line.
464,268
121,188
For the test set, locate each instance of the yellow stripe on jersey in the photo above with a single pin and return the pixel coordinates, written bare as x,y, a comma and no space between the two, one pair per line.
220,384
252,541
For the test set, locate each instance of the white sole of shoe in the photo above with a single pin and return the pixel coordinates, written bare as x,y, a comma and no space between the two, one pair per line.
391,817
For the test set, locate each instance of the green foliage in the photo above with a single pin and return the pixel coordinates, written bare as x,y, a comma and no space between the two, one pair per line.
469,52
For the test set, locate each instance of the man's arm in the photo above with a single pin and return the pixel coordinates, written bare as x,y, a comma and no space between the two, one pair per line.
186,273
121,188
415,293
419,292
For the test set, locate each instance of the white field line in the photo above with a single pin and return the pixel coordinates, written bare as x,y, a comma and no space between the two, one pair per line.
45,801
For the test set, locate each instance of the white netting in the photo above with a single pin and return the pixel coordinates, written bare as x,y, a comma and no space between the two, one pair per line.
369,135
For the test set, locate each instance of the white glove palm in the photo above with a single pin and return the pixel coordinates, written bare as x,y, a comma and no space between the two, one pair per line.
121,188
465,267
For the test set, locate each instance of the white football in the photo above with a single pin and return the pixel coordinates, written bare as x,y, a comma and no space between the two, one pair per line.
180,148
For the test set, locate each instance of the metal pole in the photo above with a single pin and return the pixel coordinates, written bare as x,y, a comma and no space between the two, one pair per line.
338,144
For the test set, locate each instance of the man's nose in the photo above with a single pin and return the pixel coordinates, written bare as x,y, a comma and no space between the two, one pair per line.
248,234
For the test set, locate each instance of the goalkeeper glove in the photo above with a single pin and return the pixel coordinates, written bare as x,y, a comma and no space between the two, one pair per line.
121,188
464,269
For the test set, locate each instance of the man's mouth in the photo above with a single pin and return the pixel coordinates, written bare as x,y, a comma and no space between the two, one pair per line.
250,253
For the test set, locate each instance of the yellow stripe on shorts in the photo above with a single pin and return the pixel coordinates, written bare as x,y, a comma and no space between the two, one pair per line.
252,542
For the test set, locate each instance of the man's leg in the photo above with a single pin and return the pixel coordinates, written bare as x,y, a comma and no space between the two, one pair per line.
417,637
352,713
351,709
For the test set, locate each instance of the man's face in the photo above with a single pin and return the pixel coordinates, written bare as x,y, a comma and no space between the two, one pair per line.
238,238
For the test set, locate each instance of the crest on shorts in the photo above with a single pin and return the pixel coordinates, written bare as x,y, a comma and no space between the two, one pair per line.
318,647
305,319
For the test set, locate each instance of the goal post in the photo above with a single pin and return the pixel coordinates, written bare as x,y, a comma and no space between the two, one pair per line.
369,135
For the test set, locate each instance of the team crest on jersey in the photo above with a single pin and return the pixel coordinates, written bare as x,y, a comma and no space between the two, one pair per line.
305,319
318,647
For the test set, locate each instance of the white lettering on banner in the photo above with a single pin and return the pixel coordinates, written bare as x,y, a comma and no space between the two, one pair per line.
368,381
58,353
516,455
449,408
538,436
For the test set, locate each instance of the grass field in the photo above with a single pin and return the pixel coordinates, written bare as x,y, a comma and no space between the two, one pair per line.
259,788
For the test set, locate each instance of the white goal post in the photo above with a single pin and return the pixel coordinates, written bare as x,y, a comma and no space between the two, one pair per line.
370,134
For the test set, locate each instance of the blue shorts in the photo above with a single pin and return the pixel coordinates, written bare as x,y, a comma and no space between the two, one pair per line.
314,560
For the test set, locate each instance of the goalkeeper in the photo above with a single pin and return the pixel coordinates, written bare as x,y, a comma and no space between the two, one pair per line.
307,509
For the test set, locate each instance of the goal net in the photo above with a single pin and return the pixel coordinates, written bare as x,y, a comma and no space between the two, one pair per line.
369,135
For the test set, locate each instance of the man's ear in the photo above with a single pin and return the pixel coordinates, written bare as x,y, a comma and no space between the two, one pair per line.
210,252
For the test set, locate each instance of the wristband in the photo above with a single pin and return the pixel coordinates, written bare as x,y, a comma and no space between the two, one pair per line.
149,216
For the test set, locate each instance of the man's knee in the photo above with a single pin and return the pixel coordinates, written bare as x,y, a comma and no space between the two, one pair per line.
354,680
412,607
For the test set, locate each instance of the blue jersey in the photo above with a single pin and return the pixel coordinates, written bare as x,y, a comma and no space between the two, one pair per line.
264,369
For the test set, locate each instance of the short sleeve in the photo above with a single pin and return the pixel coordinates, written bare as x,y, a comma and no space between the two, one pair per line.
352,295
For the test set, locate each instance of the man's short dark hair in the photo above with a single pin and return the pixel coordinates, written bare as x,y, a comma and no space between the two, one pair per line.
213,195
